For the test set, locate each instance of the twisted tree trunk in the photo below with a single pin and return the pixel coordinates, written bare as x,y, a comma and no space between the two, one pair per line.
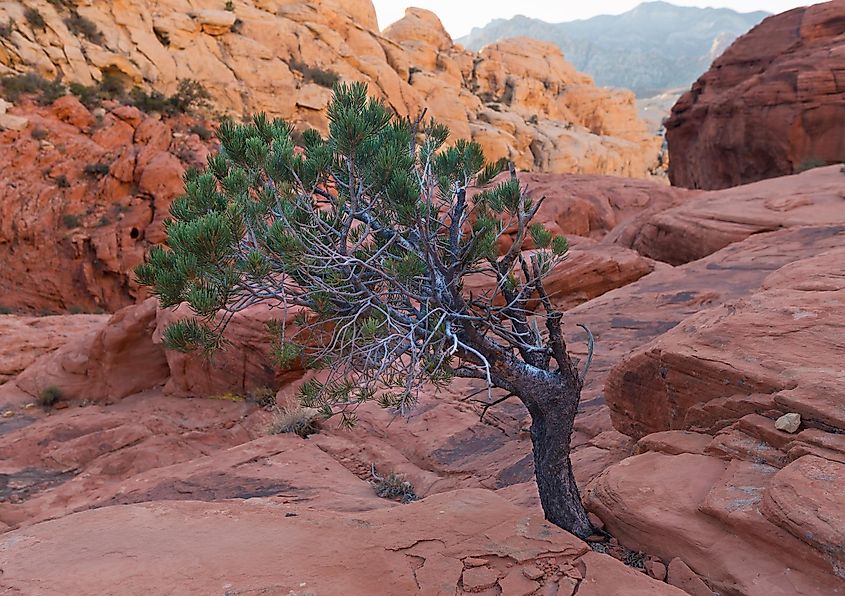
553,405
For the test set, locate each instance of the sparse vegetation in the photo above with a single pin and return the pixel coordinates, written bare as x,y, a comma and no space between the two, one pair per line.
230,6
71,221
44,91
62,181
96,170
371,233
104,221
314,74
189,96
48,397
34,18
299,420
7,28
5,310
201,131
393,487
263,396
811,164
83,27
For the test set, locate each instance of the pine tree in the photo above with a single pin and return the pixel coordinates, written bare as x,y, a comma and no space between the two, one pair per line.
370,233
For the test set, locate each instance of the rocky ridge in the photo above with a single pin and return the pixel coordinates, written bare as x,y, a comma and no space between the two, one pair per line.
519,99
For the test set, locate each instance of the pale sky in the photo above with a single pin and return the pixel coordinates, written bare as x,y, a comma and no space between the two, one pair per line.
459,16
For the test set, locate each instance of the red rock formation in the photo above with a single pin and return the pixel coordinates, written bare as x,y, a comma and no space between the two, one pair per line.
771,105
706,222
70,233
456,543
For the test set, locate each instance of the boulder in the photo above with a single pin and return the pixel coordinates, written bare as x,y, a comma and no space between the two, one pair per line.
769,106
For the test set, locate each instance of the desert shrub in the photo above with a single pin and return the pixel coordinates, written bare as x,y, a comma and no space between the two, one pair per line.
263,396
48,397
299,420
201,131
230,6
39,134
7,28
96,170
190,95
113,86
87,95
811,164
34,18
62,181
71,221
83,27
314,74
14,86
393,487
5,310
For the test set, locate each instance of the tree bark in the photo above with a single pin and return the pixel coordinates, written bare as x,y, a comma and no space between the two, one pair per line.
552,417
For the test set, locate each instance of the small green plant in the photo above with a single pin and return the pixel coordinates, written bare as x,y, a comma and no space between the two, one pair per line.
113,86
34,18
96,170
811,164
298,420
62,181
48,397
75,310
314,74
5,310
393,487
201,131
7,28
83,27
71,221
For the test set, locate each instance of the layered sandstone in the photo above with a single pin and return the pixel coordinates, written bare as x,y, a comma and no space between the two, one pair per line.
520,99
771,105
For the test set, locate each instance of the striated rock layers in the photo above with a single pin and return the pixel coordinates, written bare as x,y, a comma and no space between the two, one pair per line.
518,98
771,105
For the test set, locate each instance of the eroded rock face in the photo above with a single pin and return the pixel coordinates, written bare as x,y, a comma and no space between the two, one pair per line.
519,99
80,206
771,105
705,397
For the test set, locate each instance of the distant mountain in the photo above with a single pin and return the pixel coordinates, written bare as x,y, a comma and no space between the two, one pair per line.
655,47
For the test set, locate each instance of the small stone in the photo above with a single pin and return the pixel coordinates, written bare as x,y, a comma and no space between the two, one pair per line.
595,538
532,572
597,523
473,562
479,578
12,122
789,423
656,569
8,414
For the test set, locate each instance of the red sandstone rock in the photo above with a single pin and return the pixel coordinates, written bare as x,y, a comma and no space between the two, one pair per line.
69,239
769,106
116,359
683,577
405,549
709,221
